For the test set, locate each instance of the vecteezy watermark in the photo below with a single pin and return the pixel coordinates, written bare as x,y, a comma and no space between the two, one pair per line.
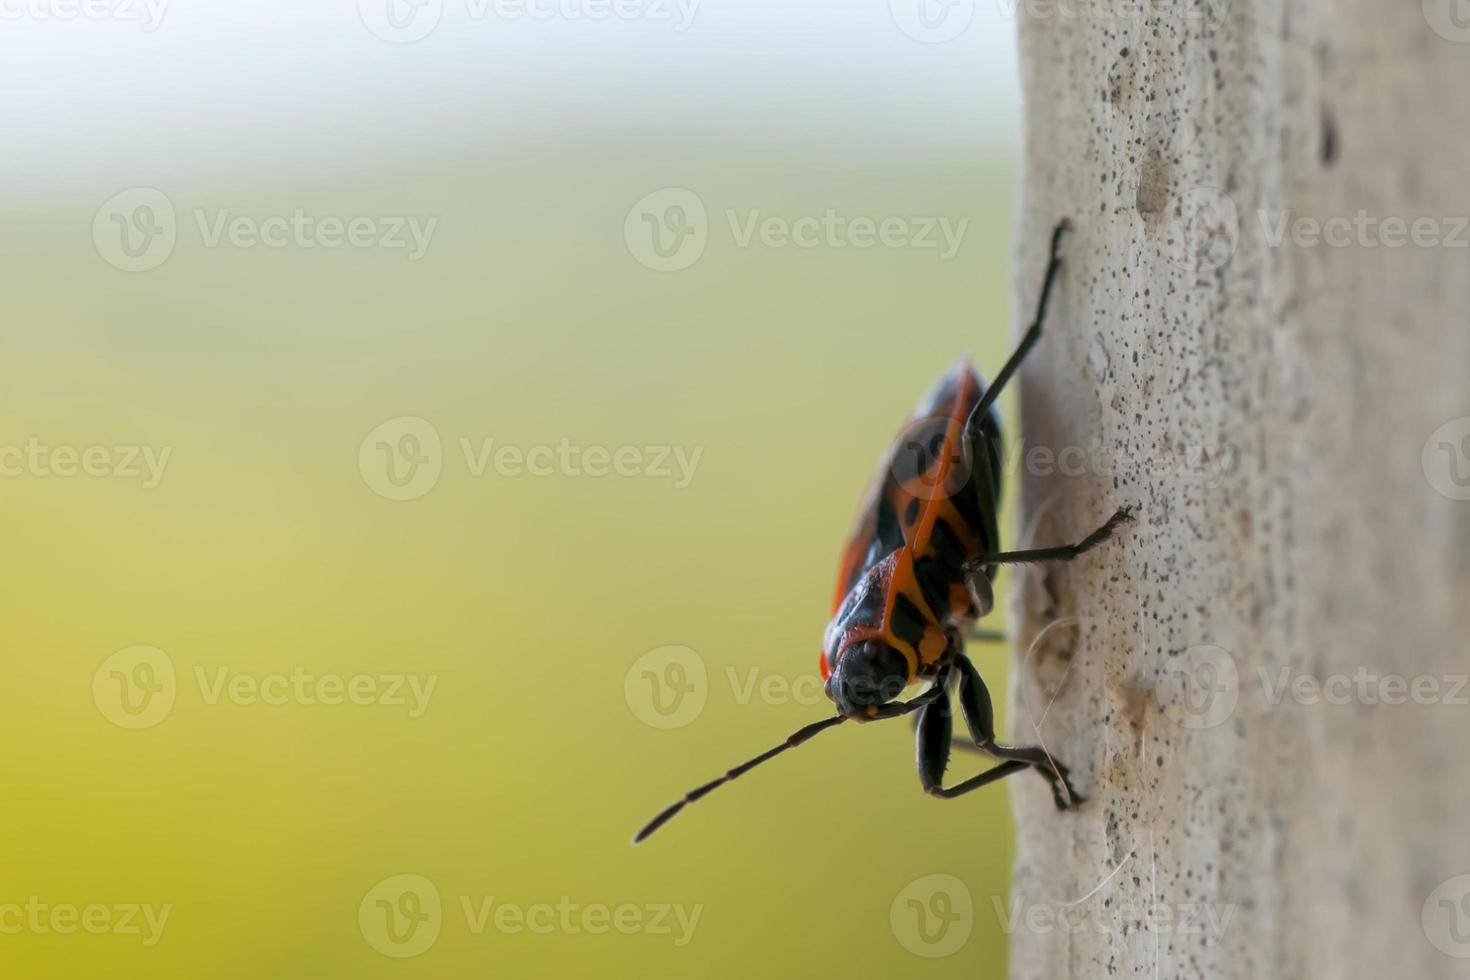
135,687
1202,922
1137,11
933,916
1364,230
1445,917
402,916
1364,686
918,468
673,920
35,458
1446,459
1201,688
1450,19
669,230
37,918
137,230
668,687
938,21
147,14
403,459
138,686
1204,228
932,21
407,21
1202,231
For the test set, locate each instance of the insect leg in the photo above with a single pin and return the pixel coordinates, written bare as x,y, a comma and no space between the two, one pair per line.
934,731
989,636
980,718
897,709
1063,553
1033,334
975,782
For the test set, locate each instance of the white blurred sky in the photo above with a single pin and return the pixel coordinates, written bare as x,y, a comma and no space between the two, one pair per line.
261,87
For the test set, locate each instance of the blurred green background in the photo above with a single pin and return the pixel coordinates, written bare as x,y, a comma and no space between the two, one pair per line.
266,547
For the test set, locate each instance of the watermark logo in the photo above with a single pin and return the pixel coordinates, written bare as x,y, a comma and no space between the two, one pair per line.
932,21
401,916
402,458
136,229
927,463
1446,459
1450,19
1204,231
401,21
933,916
667,687
668,230
135,688
1446,917
1200,688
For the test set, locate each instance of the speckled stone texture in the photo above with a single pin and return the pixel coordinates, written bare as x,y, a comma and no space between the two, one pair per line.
1271,408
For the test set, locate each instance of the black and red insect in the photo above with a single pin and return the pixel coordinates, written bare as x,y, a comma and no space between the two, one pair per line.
917,575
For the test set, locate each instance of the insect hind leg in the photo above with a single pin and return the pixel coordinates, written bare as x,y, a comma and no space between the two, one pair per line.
935,734
980,718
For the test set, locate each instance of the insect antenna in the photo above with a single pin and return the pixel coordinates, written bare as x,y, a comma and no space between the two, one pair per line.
792,742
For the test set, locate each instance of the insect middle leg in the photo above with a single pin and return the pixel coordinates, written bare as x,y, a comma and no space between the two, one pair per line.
977,566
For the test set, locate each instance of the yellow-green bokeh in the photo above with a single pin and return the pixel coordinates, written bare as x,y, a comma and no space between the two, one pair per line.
263,549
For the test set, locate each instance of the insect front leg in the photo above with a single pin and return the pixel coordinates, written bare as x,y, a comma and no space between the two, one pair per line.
980,718
935,729
1028,341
